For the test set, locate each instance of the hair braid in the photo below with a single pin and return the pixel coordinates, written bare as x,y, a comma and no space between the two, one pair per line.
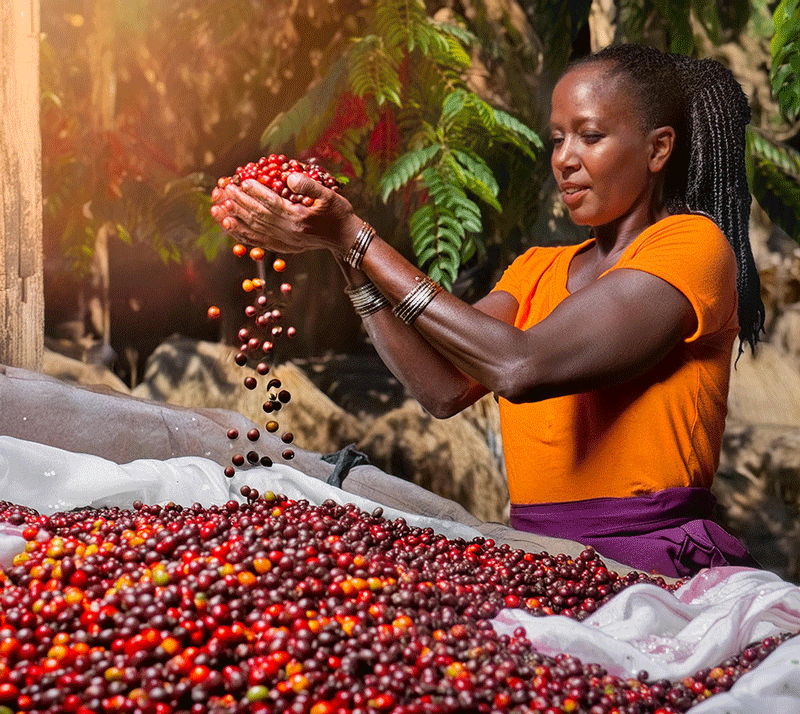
706,172
718,114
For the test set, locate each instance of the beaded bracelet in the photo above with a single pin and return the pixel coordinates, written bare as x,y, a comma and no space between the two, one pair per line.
367,299
356,253
412,305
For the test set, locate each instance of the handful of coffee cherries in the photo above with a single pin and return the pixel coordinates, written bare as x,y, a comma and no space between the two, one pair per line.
273,170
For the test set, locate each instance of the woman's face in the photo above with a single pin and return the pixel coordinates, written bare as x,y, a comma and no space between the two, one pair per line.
601,155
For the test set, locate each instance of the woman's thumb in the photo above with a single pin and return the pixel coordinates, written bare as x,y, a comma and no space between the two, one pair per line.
304,185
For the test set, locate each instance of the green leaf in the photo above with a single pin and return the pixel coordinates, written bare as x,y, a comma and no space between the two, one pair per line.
422,220
519,130
468,249
123,234
453,105
464,36
452,224
425,255
475,165
406,168
483,192
779,196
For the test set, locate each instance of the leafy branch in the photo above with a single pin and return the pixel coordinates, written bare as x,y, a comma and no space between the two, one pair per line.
785,48
421,138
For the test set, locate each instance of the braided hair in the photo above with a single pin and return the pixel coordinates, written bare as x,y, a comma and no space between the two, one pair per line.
706,172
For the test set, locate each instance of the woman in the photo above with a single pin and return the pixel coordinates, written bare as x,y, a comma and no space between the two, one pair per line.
611,358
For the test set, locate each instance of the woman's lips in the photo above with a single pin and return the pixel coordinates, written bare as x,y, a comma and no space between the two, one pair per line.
573,195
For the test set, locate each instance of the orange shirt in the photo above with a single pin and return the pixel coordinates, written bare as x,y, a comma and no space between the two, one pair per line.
660,430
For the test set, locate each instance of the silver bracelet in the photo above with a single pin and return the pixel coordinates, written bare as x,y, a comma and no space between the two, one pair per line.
357,251
412,305
367,299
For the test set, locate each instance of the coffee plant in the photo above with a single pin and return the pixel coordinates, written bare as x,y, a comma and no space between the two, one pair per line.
398,115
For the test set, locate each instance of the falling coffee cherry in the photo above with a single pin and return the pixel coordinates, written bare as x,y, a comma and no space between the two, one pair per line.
229,471
250,382
272,426
233,434
237,459
213,312
257,254
239,250
279,265
253,434
288,454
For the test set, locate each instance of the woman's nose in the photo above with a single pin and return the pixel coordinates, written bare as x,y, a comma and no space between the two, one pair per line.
564,158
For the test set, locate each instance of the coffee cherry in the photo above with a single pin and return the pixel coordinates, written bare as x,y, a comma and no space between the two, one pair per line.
250,382
257,254
213,312
239,250
253,434
279,265
272,426
233,434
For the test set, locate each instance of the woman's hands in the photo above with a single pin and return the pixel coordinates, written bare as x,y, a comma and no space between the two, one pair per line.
256,215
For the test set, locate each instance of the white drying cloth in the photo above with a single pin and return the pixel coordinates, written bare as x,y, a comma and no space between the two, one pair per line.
714,616
49,479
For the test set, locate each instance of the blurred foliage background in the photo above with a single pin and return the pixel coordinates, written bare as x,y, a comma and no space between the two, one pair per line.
431,111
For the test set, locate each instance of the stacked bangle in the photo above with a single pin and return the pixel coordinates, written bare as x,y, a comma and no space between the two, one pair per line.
412,305
356,253
366,299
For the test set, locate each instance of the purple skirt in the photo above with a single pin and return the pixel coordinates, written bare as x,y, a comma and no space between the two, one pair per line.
668,532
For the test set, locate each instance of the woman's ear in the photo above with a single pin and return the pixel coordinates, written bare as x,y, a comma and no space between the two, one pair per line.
662,142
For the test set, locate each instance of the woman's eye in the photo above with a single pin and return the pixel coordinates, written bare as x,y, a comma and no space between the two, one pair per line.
556,140
592,138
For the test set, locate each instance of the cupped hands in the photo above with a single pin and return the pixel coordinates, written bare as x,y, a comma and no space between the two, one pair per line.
256,215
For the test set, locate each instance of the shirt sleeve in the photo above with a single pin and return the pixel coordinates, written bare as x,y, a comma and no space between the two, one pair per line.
512,280
692,254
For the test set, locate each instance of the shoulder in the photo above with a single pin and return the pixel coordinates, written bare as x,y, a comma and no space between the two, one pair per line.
695,229
691,253
690,243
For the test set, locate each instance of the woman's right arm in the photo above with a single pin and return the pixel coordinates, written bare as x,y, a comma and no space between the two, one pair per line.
441,388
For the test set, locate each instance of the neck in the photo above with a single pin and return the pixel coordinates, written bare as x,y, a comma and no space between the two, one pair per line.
617,235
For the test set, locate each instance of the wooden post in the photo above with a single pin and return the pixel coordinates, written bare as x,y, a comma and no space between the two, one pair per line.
21,281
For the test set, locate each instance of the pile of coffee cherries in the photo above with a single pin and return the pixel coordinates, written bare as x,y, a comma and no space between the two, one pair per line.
276,605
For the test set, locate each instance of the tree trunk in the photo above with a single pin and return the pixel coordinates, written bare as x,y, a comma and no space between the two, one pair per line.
21,282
